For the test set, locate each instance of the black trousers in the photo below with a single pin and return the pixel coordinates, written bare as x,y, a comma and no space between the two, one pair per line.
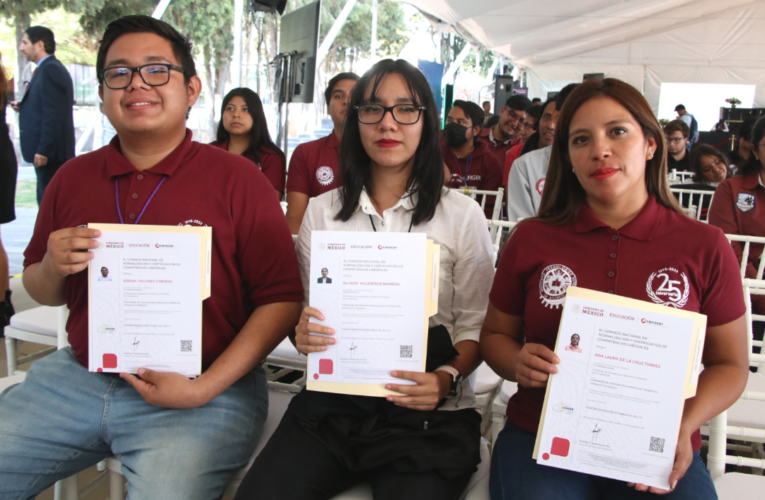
296,466
44,175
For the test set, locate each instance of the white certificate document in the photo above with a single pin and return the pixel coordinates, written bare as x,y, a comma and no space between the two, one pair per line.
377,291
146,287
614,407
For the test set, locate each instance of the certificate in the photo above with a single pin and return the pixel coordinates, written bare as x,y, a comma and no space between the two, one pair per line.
146,285
614,407
377,291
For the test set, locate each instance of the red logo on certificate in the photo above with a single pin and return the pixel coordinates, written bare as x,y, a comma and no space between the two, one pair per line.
560,447
325,367
110,361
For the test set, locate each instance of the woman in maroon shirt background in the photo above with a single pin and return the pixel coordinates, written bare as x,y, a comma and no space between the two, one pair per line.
243,130
608,222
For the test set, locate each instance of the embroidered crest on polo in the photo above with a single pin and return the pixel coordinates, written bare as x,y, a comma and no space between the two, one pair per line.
541,186
553,284
745,202
668,287
325,176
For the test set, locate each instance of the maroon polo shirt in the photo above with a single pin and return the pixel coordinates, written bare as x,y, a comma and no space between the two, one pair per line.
253,257
479,170
738,207
497,147
272,164
513,154
626,261
315,167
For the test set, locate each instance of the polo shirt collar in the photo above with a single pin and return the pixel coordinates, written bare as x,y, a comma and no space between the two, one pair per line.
751,181
494,141
365,203
639,228
117,165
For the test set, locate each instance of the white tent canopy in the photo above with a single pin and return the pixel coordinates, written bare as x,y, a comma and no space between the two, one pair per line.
643,42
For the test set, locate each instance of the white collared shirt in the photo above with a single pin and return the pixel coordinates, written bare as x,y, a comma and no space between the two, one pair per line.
467,268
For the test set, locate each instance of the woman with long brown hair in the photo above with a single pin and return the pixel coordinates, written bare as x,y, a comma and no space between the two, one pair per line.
8,172
608,222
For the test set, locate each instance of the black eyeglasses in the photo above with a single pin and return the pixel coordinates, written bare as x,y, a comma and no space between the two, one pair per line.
119,77
405,114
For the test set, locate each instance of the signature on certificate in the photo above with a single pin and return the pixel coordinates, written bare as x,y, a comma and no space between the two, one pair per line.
595,432
135,343
352,348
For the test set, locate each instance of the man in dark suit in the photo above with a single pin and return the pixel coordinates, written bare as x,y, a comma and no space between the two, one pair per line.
324,279
46,120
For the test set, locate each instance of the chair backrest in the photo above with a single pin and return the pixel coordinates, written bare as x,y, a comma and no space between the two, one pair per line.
498,228
717,456
753,287
696,202
674,176
746,243
480,195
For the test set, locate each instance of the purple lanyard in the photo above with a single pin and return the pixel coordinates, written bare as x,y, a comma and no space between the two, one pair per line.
117,197
467,167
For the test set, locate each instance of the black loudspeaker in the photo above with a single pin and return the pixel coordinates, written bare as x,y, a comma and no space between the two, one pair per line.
448,100
503,90
268,6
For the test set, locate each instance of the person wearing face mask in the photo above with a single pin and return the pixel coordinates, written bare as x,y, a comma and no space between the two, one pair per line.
468,158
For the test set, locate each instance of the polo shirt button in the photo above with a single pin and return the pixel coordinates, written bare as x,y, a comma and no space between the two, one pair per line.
613,255
614,237
132,216
611,292
611,274
140,177
383,223
135,196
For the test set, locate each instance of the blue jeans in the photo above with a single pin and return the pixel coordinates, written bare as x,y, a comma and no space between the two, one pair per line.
515,475
63,419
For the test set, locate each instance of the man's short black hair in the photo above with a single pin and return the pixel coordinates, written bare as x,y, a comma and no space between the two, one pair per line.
472,111
677,126
37,33
536,101
484,103
679,107
337,78
745,130
560,99
518,103
182,48
535,112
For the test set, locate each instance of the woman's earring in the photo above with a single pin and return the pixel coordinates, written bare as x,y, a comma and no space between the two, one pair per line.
650,155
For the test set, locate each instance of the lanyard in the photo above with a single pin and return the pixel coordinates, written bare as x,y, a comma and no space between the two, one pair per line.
468,161
371,221
117,197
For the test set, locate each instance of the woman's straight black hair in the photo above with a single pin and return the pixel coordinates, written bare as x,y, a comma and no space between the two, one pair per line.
259,136
427,177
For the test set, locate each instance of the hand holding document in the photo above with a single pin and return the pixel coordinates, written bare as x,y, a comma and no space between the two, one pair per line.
377,291
146,287
615,405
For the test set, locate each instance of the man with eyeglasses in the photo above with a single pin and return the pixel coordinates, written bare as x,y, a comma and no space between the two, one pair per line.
676,133
507,132
177,438
46,120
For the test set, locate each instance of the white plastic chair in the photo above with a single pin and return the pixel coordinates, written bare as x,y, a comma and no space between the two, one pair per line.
40,325
281,362
497,229
675,177
499,407
732,485
696,202
484,194
485,384
746,244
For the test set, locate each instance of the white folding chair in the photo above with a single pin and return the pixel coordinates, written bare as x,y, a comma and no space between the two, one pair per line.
733,485
485,384
695,202
484,194
40,325
284,360
497,229
499,407
746,244
675,177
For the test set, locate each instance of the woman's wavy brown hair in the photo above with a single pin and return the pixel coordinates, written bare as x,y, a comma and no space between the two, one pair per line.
563,196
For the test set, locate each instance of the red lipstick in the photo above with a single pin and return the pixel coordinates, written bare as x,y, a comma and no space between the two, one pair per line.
602,174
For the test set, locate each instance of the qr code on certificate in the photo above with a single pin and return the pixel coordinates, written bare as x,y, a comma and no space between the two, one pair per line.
406,351
657,445
186,345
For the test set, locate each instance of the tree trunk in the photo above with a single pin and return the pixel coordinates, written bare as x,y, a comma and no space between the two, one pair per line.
210,94
23,21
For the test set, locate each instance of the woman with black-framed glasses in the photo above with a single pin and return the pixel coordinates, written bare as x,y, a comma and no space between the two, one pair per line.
425,443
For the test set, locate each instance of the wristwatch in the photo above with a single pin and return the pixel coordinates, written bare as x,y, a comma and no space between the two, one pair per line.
456,378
